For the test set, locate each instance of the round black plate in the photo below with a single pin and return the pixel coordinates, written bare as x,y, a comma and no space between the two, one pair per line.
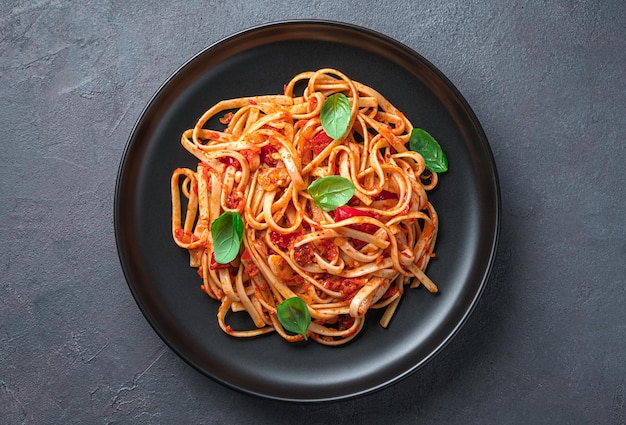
167,290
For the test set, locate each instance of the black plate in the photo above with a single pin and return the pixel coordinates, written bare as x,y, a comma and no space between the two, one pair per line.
260,61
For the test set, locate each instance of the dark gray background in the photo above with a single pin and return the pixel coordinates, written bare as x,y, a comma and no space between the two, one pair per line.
546,343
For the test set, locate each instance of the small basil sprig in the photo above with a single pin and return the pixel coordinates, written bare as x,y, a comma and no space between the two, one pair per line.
294,315
335,115
227,232
426,145
331,192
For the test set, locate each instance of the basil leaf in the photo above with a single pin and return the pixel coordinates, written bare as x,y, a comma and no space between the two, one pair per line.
331,192
294,315
425,144
335,115
227,232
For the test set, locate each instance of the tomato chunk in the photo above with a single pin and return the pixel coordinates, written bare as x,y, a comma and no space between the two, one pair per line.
229,160
246,256
320,141
343,213
385,195
267,155
281,240
214,265
304,254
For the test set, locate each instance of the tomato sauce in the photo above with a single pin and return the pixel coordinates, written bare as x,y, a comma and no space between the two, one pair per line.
214,265
343,213
230,161
268,156
283,241
304,254
319,142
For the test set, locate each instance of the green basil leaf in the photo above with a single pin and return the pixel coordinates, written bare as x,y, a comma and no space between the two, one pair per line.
335,115
331,192
426,145
227,232
294,315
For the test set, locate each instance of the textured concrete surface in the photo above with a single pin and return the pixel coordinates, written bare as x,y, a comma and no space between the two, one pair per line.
547,342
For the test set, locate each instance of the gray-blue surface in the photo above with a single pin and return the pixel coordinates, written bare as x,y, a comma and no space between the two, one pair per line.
546,343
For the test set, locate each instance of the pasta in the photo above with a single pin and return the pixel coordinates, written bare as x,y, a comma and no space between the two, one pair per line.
343,262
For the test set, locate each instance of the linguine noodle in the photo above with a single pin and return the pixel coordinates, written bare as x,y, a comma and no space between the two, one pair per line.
342,263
